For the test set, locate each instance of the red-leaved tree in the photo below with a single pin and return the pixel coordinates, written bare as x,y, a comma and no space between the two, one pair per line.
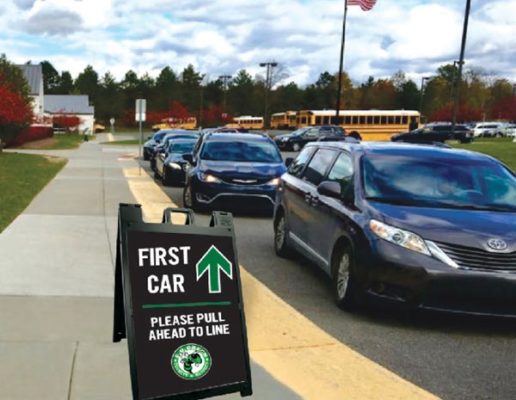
15,114
464,114
69,122
505,109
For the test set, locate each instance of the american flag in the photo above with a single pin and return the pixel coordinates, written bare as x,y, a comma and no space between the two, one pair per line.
365,5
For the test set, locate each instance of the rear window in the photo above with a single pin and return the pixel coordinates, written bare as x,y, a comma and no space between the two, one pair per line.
316,169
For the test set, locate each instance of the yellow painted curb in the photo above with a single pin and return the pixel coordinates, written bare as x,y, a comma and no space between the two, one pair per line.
289,346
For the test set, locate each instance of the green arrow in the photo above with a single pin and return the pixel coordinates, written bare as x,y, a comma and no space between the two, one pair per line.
214,261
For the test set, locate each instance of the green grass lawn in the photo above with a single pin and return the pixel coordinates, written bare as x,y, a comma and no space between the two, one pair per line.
58,142
123,142
503,149
22,176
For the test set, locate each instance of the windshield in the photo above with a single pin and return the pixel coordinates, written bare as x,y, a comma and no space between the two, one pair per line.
299,131
159,135
240,151
439,183
181,148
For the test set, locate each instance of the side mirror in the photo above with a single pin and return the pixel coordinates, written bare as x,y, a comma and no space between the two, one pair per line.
188,157
289,161
330,189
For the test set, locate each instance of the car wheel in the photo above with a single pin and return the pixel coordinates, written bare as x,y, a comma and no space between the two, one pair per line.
498,135
189,200
344,285
296,147
156,175
165,179
281,245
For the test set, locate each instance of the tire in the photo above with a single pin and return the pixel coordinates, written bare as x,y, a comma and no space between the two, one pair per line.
165,179
189,200
281,246
156,175
296,147
498,135
347,296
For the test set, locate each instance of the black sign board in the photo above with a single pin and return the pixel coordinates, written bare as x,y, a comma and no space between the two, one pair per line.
178,300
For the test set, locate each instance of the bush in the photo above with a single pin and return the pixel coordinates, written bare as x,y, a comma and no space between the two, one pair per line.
15,114
32,133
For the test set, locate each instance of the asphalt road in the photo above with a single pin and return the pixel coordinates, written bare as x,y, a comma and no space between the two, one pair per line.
454,357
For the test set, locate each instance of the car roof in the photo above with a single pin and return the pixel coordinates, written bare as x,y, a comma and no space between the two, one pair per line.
184,140
231,137
408,149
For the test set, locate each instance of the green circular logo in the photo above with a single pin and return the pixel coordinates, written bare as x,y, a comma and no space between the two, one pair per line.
191,361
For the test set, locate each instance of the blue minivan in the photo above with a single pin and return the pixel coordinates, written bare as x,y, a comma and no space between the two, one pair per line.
422,225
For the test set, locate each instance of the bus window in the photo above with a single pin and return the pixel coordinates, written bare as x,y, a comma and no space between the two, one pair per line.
369,120
347,120
318,121
326,120
398,120
390,120
362,120
404,120
383,120
376,119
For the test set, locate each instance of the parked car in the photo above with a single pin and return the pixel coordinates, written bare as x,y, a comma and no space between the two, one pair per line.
489,129
510,130
421,225
435,133
296,140
163,146
233,169
149,145
171,167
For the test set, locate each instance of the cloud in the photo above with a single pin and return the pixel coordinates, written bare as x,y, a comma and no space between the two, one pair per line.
24,4
53,22
224,36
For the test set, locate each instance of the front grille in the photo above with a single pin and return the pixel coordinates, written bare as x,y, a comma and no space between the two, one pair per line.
245,181
478,259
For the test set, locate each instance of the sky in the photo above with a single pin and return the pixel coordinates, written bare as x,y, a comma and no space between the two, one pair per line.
220,37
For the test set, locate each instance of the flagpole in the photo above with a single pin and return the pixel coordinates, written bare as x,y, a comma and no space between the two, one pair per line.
343,41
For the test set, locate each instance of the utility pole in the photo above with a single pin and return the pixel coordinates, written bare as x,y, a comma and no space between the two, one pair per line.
225,80
268,86
456,93
423,80
341,63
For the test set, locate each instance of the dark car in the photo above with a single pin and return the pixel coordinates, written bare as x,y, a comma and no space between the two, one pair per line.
233,170
418,224
296,140
161,148
438,133
171,167
155,139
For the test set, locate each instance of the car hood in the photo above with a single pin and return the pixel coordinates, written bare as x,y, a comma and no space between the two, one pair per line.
175,157
244,170
470,228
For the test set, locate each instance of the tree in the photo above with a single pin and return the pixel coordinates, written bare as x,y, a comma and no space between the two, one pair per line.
167,89
87,82
15,103
65,83
191,83
51,78
110,102
241,94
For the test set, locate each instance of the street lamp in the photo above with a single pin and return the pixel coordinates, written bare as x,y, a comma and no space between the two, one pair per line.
456,93
225,80
423,80
268,86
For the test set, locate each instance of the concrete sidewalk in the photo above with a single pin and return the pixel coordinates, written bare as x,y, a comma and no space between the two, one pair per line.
56,287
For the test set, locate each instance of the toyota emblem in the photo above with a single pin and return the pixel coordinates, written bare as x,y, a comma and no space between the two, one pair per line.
497,244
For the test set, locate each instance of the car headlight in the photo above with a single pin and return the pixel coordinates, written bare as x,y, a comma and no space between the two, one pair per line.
400,237
209,178
274,182
174,165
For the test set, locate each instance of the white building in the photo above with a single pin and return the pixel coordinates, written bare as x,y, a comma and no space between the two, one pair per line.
34,76
72,105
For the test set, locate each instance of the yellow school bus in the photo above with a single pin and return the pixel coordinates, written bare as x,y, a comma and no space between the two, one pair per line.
176,123
283,120
247,122
370,124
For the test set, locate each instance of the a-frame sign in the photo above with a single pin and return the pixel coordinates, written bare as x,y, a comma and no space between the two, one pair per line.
178,301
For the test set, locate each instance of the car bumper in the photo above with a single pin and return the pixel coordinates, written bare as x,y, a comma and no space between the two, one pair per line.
175,175
421,281
254,197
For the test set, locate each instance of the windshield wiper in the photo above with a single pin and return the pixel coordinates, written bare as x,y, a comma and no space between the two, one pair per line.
395,200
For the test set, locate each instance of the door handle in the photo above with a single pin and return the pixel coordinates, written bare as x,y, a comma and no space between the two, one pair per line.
315,201
308,198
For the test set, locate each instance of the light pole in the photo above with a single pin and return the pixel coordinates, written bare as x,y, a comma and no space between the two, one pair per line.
423,80
341,62
225,80
456,93
268,86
